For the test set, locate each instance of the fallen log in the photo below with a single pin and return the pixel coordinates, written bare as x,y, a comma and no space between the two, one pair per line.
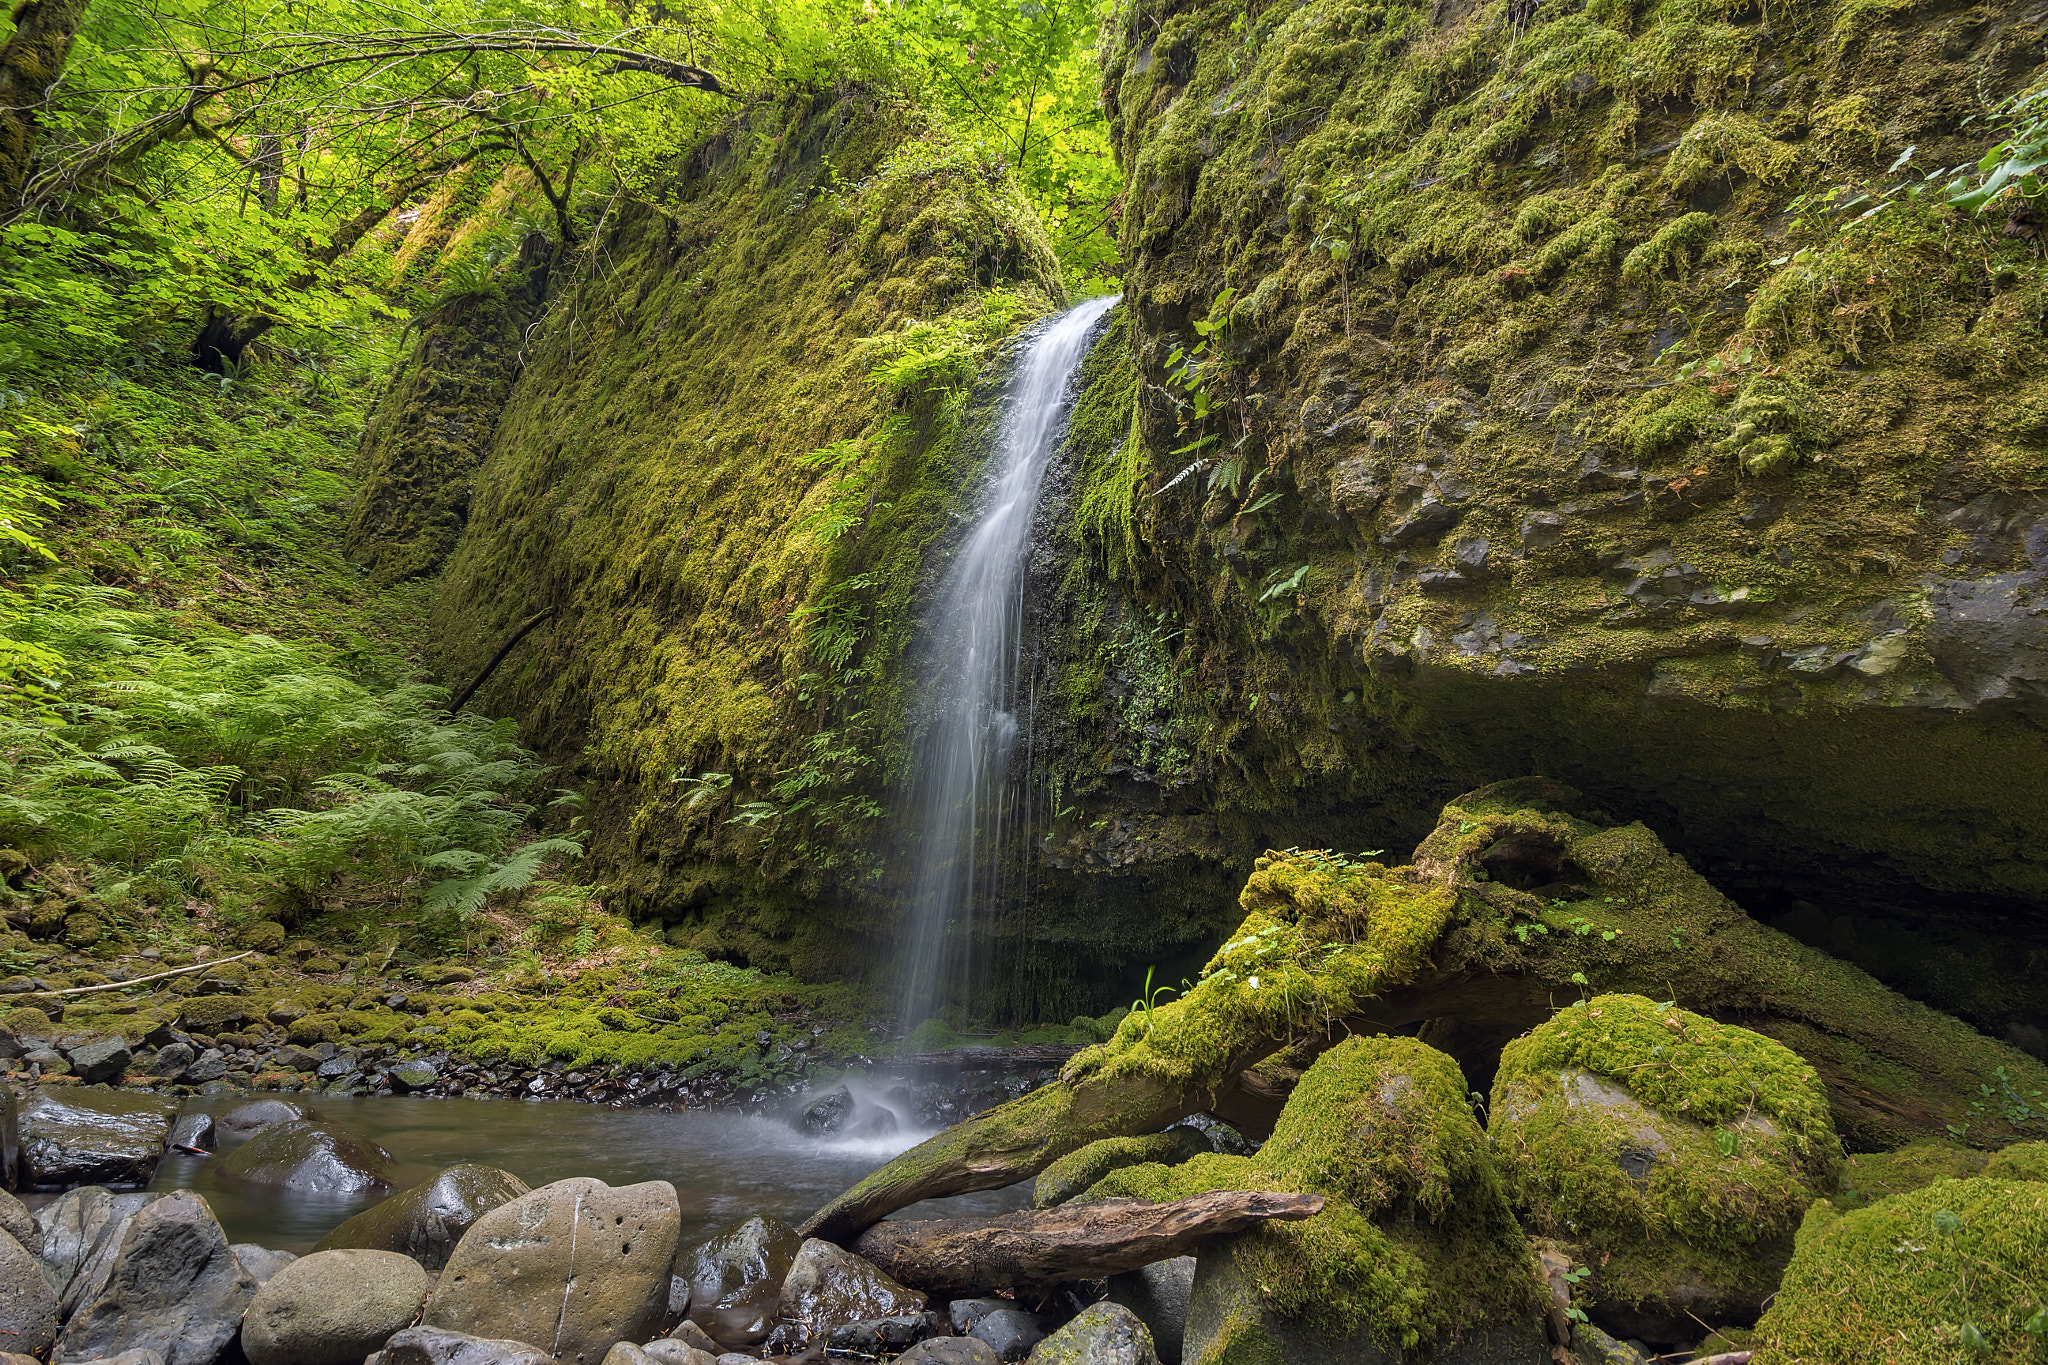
1038,1248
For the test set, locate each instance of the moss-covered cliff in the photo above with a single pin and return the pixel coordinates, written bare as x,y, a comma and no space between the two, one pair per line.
1552,418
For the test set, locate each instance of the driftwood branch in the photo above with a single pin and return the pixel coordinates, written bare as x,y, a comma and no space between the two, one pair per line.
155,976
1039,1248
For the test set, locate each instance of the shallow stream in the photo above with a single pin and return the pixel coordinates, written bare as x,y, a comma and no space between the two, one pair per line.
726,1167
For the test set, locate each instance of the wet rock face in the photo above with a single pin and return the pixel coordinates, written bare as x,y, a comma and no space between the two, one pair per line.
175,1288
736,1279
332,1308
75,1225
573,1266
311,1158
28,1309
427,1221
827,1287
92,1136
1158,1294
193,1133
245,1119
17,1222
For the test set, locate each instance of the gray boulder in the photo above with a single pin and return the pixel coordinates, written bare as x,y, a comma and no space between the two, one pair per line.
261,1262
245,1120
408,1077
1158,1294
1010,1332
172,1059
966,1312
1101,1334
736,1277
175,1288
690,1334
28,1308
332,1308
433,1346
827,1287
125,1358
951,1351
669,1351
17,1222
102,1059
426,1221
576,1265
309,1158
81,1231
92,1137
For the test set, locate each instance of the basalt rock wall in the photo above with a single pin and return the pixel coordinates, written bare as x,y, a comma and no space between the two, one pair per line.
1556,409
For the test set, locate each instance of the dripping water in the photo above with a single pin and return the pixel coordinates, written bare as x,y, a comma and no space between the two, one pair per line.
962,802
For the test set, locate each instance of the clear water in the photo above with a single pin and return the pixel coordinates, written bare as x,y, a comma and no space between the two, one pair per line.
726,1167
961,806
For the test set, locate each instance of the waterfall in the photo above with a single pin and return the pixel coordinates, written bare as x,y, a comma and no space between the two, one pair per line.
961,804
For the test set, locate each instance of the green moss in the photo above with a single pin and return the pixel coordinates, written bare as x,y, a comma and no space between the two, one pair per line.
1671,248
1076,1171
1868,1177
1668,1148
2021,1161
1416,1240
1956,1270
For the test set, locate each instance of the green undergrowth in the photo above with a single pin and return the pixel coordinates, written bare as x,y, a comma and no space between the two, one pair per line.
777,358
1415,1241
1731,1130
1956,1270
266,780
1868,1177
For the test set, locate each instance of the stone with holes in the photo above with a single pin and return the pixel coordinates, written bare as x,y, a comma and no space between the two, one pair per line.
570,1268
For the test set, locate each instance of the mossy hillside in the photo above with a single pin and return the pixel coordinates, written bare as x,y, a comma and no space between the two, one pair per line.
1956,1270
1416,1241
1732,1128
728,516
1457,247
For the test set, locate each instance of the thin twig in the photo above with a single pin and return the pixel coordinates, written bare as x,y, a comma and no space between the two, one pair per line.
175,971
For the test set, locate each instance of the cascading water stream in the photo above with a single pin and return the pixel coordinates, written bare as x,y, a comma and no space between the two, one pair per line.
960,805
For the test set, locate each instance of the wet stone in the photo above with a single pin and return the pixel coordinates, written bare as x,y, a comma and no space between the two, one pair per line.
883,1336
1101,1334
1010,1332
1158,1294
332,1308
175,1288
92,1137
827,1286
28,1308
193,1133
427,1221
950,1351
311,1158
261,1262
434,1346
244,1120
407,1077
103,1059
736,1279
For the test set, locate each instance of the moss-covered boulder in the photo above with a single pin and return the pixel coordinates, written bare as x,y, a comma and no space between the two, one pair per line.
1868,1177
1415,1250
1675,1156
1954,1271
2021,1161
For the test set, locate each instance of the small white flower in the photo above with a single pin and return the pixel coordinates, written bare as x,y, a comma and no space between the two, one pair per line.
1255,983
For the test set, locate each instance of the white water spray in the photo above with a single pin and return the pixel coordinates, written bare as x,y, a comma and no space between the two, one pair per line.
961,806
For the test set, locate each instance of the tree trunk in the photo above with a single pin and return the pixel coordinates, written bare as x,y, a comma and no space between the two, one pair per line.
30,65
1039,1248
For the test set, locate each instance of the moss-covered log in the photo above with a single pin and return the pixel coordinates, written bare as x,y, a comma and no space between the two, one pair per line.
1513,906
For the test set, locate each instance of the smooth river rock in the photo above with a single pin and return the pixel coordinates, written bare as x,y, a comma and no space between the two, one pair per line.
950,1351
245,1120
1010,1332
827,1287
433,1346
175,1288
309,1158
332,1308
571,1267
17,1222
28,1307
261,1262
426,1221
736,1277
193,1133
92,1137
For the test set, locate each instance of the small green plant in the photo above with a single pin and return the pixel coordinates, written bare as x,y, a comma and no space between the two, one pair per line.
1573,1278
1149,997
